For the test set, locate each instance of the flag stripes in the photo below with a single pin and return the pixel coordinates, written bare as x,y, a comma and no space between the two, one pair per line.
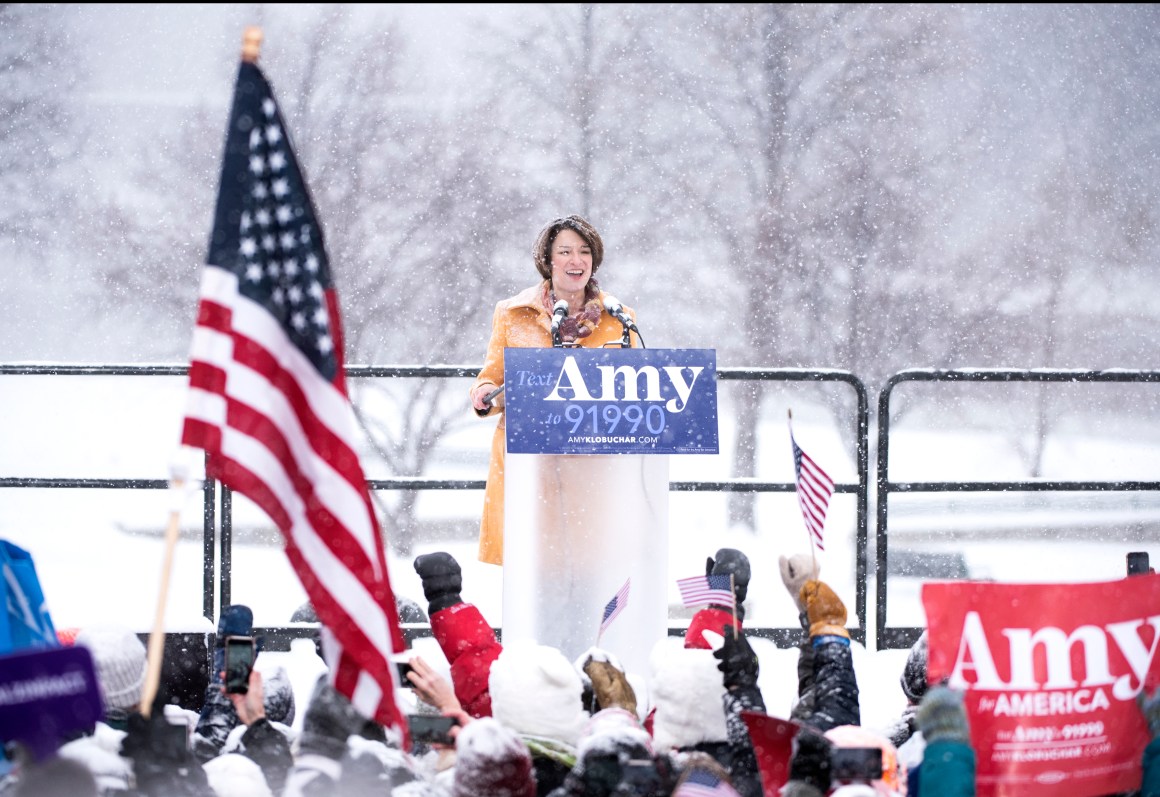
267,397
702,590
814,488
615,606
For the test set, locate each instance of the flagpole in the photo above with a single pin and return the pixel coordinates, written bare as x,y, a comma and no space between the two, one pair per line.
251,44
734,604
178,481
809,537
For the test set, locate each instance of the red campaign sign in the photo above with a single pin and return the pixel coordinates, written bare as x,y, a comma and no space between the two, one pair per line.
1051,673
773,745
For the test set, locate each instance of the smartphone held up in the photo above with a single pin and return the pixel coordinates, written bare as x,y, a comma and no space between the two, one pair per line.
239,660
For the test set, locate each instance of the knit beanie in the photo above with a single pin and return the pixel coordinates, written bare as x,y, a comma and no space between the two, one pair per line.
687,691
536,691
942,716
913,676
491,760
119,658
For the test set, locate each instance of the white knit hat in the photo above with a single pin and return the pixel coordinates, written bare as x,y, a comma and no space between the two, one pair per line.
687,691
536,691
119,658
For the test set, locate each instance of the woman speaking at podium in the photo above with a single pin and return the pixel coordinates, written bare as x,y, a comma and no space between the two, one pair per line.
567,308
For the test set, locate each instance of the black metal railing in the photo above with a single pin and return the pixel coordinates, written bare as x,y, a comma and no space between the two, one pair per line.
904,636
218,525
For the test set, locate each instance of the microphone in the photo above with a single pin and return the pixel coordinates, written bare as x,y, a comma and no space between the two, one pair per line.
559,313
616,310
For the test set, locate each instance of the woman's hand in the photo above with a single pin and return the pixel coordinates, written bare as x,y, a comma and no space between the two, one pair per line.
479,396
431,687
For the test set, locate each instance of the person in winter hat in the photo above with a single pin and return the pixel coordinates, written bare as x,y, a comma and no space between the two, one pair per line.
218,716
491,760
904,733
120,660
537,692
948,761
466,639
715,617
615,755
340,752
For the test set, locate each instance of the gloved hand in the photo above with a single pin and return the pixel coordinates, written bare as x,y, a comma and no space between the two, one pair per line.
732,562
610,685
1150,705
329,721
163,764
942,717
795,572
442,580
738,661
810,762
826,612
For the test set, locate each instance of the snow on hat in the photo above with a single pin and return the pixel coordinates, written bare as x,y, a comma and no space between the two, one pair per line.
536,691
236,775
913,678
119,657
612,730
490,759
687,689
277,694
854,790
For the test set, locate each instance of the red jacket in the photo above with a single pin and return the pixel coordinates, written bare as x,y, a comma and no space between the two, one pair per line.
469,644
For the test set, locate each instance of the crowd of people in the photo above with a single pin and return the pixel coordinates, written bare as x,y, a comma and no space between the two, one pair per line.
527,722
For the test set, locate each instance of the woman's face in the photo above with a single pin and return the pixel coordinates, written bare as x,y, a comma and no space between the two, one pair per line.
571,262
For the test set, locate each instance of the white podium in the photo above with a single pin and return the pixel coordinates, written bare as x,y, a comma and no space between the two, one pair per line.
576,527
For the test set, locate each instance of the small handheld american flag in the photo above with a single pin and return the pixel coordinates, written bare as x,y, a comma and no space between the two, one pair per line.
614,607
703,590
814,488
703,783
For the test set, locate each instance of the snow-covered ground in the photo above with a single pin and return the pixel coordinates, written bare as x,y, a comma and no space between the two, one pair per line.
99,553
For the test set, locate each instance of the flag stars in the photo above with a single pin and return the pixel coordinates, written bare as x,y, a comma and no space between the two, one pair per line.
281,187
257,164
248,247
315,290
263,217
247,221
268,243
291,265
268,107
277,161
255,138
274,269
321,317
312,263
277,297
254,272
286,240
294,294
260,191
298,321
325,344
283,214
273,134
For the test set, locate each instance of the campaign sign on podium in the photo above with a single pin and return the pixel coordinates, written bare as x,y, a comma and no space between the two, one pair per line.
611,401
586,489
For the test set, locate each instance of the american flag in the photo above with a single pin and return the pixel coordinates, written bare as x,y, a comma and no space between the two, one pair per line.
268,402
814,488
703,783
701,590
615,606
